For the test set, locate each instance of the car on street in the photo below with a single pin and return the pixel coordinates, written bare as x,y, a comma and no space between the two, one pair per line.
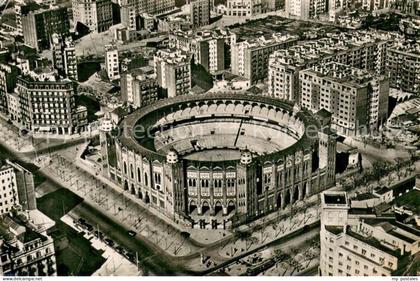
119,249
109,242
132,233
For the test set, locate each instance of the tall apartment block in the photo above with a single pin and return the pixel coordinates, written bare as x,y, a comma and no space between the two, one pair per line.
95,14
173,70
250,57
139,87
364,50
64,56
38,25
208,47
306,9
357,99
200,12
112,63
17,188
49,106
8,74
403,64
359,241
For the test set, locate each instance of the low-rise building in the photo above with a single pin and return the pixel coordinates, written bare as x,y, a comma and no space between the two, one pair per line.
24,250
360,242
306,9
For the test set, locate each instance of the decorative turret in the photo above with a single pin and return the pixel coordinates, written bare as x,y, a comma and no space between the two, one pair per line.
246,157
172,156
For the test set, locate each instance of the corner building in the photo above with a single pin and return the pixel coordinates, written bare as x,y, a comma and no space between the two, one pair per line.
223,154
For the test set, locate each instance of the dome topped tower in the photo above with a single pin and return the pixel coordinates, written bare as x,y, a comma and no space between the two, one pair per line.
172,156
246,157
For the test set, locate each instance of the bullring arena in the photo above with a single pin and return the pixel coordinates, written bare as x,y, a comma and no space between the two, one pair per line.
223,157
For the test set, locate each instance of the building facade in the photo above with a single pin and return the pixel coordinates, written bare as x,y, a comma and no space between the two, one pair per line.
403,64
139,88
357,99
112,63
364,50
95,14
241,8
208,47
200,13
249,58
306,9
64,56
39,25
48,106
173,71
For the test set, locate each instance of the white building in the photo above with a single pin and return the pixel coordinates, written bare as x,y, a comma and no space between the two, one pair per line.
240,8
357,242
8,189
306,9
112,63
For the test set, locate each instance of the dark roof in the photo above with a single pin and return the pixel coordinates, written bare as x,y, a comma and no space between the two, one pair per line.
30,235
335,199
335,229
382,190
324,113
365,196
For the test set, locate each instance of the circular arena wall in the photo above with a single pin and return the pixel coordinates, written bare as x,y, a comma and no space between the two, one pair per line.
221,156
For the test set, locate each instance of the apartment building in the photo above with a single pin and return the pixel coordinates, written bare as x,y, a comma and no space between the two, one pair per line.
240,8
24,250
403,64
357,99
112,63
306,9
17,188
95,14
364,50
208,47
40,23
373,5
64,56
173,70
139,87
249,58
360,241
48,106
199,13
8,75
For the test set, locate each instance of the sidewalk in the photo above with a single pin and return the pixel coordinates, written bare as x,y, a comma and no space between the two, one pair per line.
117,208
115,263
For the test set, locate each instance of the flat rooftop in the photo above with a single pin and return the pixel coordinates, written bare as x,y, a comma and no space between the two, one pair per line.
337,199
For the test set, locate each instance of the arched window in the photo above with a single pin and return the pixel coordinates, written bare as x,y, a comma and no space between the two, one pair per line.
138,175
125,168
145,179
131,171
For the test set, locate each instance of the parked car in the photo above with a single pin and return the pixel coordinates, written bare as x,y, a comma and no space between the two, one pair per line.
132,233
109,242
